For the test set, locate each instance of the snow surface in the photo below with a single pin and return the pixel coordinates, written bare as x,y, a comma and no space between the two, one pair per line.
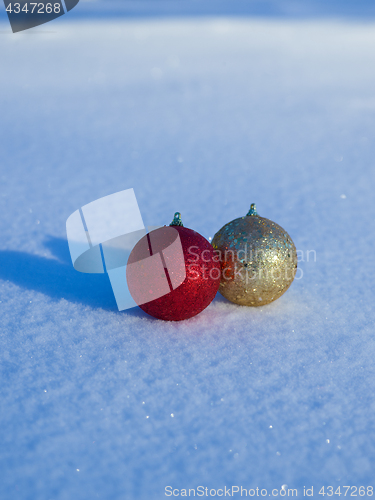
203,116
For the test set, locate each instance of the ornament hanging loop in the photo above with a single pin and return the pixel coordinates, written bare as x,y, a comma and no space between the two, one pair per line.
177,220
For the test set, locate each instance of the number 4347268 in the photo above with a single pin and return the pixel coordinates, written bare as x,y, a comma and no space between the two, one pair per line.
350,491
38,8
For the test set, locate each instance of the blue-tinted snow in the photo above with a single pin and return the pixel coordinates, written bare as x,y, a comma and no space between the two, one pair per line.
203,116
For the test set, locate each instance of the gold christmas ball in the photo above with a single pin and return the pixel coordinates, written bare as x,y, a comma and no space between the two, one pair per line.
258,260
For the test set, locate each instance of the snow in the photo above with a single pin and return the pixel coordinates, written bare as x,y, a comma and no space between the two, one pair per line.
203,116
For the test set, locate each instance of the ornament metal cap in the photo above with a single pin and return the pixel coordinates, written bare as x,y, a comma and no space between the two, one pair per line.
253,210
177,220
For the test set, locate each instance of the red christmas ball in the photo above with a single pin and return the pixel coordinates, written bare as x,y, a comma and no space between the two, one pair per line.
172,273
